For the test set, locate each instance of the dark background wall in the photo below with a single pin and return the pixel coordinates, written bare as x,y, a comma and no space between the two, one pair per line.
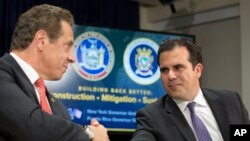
103,13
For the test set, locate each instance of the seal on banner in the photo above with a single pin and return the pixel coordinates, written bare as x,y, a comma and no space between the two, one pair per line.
140,61
94,56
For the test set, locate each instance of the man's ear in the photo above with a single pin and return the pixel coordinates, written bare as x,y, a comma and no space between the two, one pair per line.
199,69
40,39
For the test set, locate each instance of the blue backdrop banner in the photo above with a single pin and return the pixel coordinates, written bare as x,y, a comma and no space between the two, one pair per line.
115,74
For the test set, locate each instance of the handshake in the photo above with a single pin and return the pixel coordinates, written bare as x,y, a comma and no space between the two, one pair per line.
96,131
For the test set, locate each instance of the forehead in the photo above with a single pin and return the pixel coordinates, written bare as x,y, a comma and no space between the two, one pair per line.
177,55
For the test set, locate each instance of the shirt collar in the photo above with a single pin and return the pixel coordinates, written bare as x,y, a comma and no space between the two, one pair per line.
199,100
28,69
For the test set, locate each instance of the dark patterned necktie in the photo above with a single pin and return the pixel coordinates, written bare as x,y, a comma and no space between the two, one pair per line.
199,127
43,98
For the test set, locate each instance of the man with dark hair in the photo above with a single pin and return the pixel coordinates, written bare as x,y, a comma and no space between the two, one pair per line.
41,48
187,112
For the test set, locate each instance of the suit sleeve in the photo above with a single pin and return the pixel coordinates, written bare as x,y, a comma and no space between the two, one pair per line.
243,110
144,130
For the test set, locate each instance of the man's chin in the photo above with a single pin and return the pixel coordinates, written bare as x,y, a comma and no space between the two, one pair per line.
57,77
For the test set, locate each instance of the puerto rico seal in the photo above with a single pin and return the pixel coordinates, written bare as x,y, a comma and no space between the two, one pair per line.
94,56
140,61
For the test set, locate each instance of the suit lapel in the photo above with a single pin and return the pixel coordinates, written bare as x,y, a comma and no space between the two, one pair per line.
20,77
219,112
24,83
52,103
56,107
179,120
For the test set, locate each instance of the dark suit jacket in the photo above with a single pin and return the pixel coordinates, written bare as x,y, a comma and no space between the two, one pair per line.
163,121
21,118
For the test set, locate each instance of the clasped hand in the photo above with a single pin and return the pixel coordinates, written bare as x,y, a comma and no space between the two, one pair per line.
99,131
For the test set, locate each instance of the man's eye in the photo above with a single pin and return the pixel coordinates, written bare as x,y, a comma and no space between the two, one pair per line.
66,46
178,67
163,70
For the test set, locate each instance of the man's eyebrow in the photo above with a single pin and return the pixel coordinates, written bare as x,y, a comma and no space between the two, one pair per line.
179,65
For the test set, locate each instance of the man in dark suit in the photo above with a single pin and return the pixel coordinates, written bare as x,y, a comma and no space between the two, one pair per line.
170,118
40,49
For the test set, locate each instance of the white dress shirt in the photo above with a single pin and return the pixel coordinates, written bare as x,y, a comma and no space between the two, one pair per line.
29,71
203,111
